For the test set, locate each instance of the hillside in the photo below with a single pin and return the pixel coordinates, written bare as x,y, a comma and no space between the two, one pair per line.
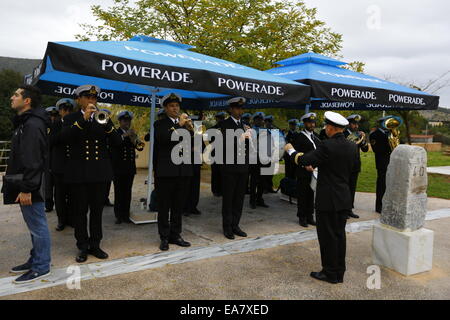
23,66
441,114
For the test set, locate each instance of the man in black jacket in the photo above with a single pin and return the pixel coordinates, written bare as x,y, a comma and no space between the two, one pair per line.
235,171
216,177
291,134
59,153
27,161
305,141
359,138
53,114
124,166
336,159
380,145
88,169
171,180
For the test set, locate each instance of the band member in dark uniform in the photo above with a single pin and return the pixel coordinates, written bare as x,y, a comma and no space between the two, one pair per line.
289,169
336,159
359,138
306,141
53,114
234,174
161,114
268,123
171,180
124,166
108,188
246,117
59,152
216,176
193,197
88,169
257,181
380,146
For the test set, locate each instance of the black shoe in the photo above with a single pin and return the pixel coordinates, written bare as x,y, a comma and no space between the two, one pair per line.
322,277
164,246
180,242
352,215
237,231
252,205
31,276
340,279
196,211
303,222
82,256
23,268
261,204
311,221
60,227
98,253
118,221
228,235
127,220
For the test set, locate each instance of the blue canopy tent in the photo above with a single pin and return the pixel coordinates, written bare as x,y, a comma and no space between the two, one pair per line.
129,71
333,87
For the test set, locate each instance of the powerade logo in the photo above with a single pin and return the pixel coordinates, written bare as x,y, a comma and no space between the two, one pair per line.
145,72
406,99
337,105
352,93
66,91
250,86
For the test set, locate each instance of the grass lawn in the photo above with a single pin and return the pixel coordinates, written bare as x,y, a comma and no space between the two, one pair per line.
438,185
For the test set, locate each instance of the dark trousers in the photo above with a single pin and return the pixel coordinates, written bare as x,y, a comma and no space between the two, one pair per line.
256,184
268,183
234,186
305,198
352,183
171,194
193,191
88,197
289,168
123,186
49,190
332,241
381,189
62,201
216,179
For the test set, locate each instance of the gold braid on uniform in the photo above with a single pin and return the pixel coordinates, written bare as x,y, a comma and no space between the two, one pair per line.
77,125
297,156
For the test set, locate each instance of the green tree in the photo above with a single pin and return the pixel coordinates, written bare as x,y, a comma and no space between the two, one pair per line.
9,81
255,33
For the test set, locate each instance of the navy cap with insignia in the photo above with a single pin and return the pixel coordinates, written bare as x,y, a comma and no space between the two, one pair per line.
171,97
354,118
258,114
87,89
293,121
236,102
51,109
246,116
125,114
65,101
268,118
309,117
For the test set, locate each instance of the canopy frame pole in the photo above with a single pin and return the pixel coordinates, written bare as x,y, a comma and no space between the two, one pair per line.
307,107
152,144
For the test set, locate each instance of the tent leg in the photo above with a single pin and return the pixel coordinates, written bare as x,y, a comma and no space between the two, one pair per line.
152,143
307,108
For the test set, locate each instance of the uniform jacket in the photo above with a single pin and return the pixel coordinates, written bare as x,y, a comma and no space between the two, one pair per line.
302,144
89,160
123,156
363,146
336,159
29,151
163,165
380,146
227,124
59,151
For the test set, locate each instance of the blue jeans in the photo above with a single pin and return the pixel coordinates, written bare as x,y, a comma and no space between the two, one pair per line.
36,220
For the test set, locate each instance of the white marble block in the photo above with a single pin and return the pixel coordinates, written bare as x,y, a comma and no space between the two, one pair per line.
405,252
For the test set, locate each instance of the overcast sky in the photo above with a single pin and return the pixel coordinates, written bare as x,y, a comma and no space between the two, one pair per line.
407,41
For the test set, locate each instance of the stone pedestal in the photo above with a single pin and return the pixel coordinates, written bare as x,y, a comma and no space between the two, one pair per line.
405,252
400,242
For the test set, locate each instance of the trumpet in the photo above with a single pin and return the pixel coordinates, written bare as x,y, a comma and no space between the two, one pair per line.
138,143
102,117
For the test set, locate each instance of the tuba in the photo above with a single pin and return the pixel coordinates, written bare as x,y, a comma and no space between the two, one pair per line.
356,137
391,124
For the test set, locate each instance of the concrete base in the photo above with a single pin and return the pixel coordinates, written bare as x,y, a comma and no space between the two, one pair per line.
405,252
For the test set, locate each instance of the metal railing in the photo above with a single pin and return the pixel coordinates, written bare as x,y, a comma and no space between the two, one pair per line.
5,148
